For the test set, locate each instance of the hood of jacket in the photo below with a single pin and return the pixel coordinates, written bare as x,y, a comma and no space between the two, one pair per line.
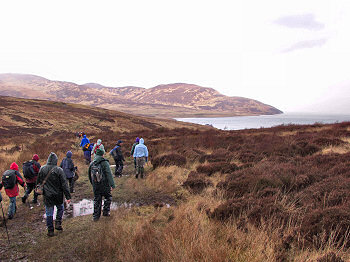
99,142
14,166
52,159
84,136
141,141
69,154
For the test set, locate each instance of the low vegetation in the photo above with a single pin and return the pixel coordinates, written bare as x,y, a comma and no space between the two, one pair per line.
277,194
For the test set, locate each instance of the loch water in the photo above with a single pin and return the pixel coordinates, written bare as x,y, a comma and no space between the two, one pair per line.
265,121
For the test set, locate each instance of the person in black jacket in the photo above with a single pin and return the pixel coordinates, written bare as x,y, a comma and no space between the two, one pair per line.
31,181
68,167
118,157
54,189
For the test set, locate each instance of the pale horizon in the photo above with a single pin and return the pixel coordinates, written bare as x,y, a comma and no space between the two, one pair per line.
291,55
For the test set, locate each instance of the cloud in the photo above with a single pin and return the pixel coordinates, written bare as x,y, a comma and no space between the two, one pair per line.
306,44
305,21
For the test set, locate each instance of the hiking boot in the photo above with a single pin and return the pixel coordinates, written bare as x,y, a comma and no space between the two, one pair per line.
95,219
24,198
58,225
106,214
9,216
50,233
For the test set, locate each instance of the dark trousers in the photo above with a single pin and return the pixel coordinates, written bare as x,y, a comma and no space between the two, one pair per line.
118,168
98,203
71,184
30,188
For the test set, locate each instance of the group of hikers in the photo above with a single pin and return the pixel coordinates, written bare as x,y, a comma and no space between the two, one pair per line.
52,180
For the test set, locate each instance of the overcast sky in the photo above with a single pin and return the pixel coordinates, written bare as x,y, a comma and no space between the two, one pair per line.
292,54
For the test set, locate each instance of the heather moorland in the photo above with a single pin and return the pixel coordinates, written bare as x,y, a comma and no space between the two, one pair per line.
269,194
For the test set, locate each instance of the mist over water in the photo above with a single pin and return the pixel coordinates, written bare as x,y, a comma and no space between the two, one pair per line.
247,122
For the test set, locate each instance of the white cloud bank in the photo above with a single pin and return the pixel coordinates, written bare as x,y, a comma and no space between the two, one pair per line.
285,53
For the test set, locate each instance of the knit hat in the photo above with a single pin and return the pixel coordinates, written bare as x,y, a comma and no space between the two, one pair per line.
14,166
137,139
35,157
69,154
119,142
99,152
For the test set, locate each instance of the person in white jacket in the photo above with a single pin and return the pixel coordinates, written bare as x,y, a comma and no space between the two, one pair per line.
141,155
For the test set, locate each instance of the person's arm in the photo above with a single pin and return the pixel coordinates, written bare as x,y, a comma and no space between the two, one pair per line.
0,196
132,149
146,152
20,179
89,174
40,176
36,168
135,150
64,184
71,166
61,165
107,170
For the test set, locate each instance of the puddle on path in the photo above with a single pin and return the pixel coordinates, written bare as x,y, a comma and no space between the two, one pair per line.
86,207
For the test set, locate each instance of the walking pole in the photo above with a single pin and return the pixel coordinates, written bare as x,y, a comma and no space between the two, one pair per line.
3,215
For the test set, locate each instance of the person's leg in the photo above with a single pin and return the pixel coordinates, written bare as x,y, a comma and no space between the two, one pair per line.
97,206
49,220
27,192
71,184
107,203
135,163
59,215
137,167
12,207
142,163
35,199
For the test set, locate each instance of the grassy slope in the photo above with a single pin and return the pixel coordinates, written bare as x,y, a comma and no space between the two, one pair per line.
198,226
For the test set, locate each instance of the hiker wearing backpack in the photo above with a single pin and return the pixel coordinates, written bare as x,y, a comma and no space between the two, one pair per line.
69,169
87,153
10,180
118,157
101,178
55,188
141,155
30,172
84,141
133,149
98,145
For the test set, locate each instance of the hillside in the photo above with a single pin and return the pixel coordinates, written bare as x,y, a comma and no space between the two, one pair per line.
21,119
172,100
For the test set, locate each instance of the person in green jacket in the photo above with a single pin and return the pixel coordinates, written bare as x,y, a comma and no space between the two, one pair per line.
101,178
55,188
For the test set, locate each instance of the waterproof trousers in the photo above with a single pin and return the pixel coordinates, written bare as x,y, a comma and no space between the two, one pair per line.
98,203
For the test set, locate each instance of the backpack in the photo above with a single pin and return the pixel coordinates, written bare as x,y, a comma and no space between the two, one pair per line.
86,147
9,179
97,147
96,172
114,152
28,170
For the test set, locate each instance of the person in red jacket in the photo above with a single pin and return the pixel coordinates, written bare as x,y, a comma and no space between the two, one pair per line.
31,182
10,180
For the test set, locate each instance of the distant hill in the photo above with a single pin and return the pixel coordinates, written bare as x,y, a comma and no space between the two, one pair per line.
171,100
26,118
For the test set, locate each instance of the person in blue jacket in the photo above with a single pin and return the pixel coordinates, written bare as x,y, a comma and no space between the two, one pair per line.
141,155
84,141
69,170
